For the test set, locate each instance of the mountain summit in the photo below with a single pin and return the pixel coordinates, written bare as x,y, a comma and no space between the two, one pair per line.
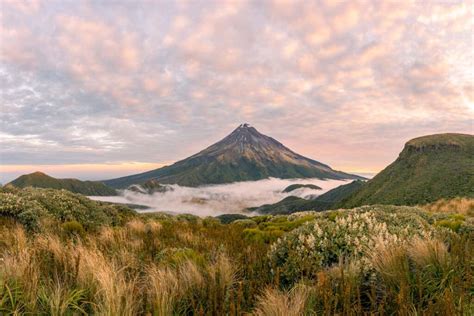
244,155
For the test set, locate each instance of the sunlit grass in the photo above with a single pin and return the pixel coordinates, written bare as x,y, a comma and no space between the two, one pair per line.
373,260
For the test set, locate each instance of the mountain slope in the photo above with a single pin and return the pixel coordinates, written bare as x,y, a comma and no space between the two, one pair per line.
326,201
331,198
41,180
428,168
243,155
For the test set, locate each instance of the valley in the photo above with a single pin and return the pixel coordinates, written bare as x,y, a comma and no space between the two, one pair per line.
213,200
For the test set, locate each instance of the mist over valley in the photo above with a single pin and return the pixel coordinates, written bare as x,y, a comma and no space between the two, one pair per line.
213,200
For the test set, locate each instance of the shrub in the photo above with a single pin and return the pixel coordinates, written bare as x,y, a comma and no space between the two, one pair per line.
66,206
229,218
210,222
30,220
60,205
244,223
176,256
283,223
190,218
25,211
262,218
351,236
454,225
262,236
73,228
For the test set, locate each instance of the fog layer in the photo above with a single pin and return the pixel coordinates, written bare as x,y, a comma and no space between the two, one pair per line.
214,200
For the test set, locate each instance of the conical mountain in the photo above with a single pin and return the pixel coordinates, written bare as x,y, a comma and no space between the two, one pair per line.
243,155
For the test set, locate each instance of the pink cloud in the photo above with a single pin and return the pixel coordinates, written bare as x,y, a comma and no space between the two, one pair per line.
348,69
26,7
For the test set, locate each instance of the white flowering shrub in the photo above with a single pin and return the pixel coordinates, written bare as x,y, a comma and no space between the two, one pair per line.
30,204
67,206
24,210
342,236
304,214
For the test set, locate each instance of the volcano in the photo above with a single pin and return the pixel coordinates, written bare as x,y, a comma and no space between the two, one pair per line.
244,155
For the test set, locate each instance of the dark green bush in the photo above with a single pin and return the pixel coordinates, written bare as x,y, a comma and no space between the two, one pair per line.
229,218
30,220
188,218
73,228
257,235
210,222
176,256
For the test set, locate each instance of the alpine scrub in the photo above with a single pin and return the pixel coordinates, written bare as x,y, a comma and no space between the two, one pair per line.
83,257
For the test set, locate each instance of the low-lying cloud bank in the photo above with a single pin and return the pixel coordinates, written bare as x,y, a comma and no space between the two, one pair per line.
214,200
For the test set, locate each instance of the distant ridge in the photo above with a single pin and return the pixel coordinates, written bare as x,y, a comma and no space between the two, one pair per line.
428,168
243,155
325,201
42,180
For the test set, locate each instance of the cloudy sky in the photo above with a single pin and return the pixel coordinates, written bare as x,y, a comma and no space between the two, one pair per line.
94,89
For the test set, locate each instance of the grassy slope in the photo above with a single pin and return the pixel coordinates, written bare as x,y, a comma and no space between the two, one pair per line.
428,168
288,205
41,180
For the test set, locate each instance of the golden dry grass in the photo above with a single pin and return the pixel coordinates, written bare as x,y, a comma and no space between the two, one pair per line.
430,251
147,267
458,205
274,302
105,273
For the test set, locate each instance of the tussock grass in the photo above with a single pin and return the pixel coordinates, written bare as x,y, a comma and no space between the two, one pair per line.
458,205
154,265
274,302
164,290
117,271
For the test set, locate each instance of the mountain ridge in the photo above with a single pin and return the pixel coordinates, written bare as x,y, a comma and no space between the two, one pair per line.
325,201
243,155
39,179
428,168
